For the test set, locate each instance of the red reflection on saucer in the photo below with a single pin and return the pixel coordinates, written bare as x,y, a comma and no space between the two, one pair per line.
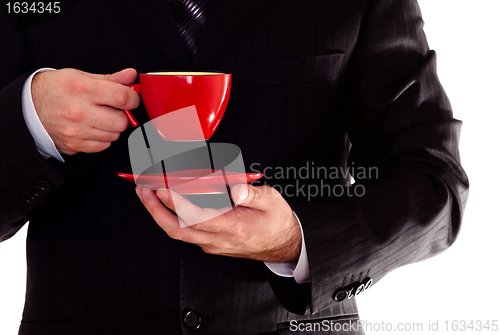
200,181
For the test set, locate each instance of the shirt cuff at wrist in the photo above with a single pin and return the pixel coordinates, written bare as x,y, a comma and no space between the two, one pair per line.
43,142
299,270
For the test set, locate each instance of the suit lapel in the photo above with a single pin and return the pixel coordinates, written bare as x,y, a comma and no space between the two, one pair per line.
225,22
155,19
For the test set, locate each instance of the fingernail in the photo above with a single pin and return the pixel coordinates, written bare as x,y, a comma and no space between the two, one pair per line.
139,192
163,195
143,194
243,194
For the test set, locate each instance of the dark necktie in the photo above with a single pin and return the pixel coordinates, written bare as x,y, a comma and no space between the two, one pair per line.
190,18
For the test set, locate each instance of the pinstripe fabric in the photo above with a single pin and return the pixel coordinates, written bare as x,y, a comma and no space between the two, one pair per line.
190,16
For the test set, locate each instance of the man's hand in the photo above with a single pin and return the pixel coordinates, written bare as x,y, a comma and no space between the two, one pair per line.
82,111
262,226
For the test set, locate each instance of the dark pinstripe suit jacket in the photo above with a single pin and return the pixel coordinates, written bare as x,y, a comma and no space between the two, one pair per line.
333,83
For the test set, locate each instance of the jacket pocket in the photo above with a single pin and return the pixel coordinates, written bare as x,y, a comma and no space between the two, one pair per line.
295,70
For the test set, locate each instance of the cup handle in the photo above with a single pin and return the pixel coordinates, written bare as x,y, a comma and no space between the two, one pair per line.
130,117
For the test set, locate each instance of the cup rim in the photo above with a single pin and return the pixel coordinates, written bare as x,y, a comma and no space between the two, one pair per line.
184,73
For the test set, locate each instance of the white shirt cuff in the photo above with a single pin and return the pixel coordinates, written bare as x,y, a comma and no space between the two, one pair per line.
43,142
298,270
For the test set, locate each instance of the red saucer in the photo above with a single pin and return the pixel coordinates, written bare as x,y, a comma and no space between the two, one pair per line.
201,181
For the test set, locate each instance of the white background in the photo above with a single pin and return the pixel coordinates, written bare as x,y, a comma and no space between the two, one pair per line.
463,282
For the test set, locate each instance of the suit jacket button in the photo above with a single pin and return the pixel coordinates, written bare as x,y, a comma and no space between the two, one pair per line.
43,185
191,319
340,295
36,192
367,282
28,198
351,289
359,288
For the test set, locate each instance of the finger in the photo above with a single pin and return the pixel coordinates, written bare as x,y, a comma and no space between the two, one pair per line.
98,135
109,93
165,195
169,222
106,119
196,217
90,146
124,77
225,209
262,197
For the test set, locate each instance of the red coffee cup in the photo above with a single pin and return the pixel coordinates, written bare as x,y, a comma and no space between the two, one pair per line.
167,92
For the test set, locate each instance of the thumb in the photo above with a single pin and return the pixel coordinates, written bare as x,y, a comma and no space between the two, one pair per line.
254,197
124,77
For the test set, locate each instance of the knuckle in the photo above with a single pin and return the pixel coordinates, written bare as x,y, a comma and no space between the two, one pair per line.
76,115
70,132
71,145
269,191
77,87
196,224
136,101
176,234
121,122
63,144
103,146
121,98
274,192
209,250
69,71
115,136
229,246
238,233
98,147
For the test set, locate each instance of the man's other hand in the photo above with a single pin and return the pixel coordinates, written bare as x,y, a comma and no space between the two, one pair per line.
82,112
262,226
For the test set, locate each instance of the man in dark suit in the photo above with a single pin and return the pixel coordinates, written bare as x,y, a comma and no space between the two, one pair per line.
333,84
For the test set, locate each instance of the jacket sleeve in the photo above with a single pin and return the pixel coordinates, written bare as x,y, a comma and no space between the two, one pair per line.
400,125
27,179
